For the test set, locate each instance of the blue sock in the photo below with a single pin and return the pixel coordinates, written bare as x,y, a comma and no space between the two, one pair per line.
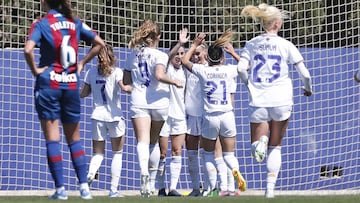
78,160
55,162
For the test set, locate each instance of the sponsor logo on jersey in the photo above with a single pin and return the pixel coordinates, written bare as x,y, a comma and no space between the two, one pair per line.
63,77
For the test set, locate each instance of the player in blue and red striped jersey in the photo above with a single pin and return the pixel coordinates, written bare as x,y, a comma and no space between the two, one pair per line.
58,34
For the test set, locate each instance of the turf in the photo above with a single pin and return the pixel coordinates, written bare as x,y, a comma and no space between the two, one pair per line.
242,199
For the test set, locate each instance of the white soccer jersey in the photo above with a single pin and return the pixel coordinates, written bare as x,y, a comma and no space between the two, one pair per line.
193,104
269,82
106,94
177,95
233,86
147,92
216,86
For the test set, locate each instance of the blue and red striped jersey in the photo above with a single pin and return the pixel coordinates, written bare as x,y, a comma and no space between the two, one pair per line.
58,38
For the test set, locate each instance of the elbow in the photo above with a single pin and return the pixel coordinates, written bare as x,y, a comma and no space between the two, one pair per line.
158,77
84,94
27,51
128,89
184,61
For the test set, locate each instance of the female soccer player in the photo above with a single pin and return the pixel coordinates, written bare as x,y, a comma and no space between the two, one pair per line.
271,92
104,83
175,125
218,120
149,102
194,112
226,179
57,86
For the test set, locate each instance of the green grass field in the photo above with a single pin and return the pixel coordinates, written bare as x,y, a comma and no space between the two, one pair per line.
241,199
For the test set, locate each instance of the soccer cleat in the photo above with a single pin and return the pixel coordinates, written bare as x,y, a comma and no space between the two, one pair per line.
145,186
174,193
223,193
232,193
85,194
195,193
162,192
213,193
61,195
239,179
205,193
269,194
113,194
261,148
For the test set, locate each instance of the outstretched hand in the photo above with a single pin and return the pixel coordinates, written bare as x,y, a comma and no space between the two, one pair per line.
229,48
200,37
183,36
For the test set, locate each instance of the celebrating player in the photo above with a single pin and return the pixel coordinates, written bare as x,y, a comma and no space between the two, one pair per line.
104,83
271,92
57,87
175,125
219,119
150,94
194,111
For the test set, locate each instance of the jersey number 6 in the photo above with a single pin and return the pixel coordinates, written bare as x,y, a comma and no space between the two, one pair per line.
67,53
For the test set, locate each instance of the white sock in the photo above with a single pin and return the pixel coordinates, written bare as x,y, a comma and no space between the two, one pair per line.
59,189
84,186
231,160
205,178
161,173
210,168
153,164
95,164
175,169
222,172
273,166
193,165
231,180
143,156
116,165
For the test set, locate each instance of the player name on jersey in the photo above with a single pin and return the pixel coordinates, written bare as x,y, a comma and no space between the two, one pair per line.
216,75
63,25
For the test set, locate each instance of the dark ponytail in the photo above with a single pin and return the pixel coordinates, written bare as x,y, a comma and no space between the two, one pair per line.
63,6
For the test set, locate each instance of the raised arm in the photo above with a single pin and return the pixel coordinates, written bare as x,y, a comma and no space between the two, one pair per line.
183,38
230,50
186,59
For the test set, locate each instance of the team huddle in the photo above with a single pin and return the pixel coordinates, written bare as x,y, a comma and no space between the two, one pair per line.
164,103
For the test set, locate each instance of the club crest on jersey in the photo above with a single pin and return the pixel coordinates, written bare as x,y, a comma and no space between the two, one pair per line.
63,77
